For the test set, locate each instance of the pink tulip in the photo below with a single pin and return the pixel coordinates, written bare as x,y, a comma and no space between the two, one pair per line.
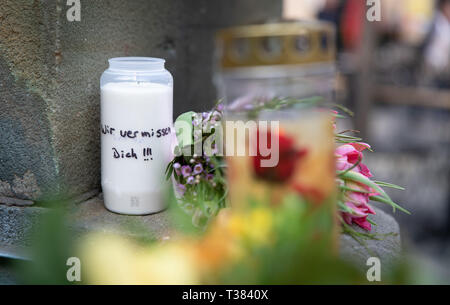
358,202
349,154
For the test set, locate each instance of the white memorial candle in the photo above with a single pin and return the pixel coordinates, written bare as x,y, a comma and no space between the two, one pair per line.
137,132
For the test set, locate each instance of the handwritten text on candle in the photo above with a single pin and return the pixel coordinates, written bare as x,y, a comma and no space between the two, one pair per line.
133,153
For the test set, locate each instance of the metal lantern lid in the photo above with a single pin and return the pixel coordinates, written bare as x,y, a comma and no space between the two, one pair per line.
286,43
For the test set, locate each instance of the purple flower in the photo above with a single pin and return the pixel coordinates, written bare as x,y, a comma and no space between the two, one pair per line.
197,133
209,177
197,119
190,180
206,116
220,107
216,116
181,189
198,168
186,170
176,167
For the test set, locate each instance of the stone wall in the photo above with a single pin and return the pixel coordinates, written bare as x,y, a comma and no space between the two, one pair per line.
50,70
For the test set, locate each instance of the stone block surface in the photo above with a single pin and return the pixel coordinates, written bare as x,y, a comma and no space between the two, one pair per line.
91,215
388,249
7,274
16,226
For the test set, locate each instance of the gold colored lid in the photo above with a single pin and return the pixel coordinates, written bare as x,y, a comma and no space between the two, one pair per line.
287,43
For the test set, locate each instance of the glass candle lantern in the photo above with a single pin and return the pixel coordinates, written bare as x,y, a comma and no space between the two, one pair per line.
262,62
271,74
287,157
136,133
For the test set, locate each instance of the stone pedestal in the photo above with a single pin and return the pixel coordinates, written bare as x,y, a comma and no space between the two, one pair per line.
91,215
387,249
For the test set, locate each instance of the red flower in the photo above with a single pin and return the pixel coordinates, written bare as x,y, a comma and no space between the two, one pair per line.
288,157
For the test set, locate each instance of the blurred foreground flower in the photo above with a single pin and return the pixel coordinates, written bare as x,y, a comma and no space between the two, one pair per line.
306,168
229,235
288,157
239,247
114,259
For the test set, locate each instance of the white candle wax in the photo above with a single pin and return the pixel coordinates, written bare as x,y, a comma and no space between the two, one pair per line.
137,129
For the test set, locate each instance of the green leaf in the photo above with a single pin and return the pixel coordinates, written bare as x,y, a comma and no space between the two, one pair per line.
342,136
385,184
340,116
390,202
184,129
345,188
347,131
371,221
384,198
343,108
344,141
282,103
169,171
351,168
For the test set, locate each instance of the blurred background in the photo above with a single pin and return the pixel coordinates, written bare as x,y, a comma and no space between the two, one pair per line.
395,75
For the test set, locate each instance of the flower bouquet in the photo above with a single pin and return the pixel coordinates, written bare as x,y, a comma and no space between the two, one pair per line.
202,185
198,175
280,229
282,222
355,186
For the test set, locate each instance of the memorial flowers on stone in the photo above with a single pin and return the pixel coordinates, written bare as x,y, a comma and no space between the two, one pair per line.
201,186
198,175
356,188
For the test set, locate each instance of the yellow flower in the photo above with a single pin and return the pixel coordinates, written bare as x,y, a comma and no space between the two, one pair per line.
168,264
259,225
237,225
216,248
107,259
111,259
